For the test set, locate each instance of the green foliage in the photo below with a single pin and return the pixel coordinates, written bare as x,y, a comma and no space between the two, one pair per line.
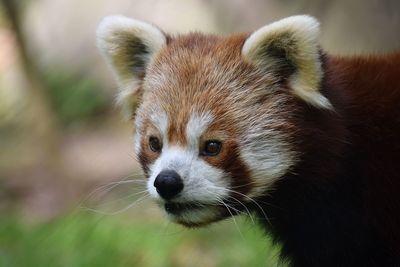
87,240
74,98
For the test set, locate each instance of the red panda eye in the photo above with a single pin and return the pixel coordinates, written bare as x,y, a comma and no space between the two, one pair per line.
155,144
211,148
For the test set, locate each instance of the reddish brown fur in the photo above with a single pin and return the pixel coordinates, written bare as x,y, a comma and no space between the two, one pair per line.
343,196
340,204
370,98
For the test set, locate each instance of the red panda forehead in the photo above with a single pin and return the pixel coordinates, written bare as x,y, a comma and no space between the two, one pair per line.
195,63
200,54
192,76
191,64
200,74
206,44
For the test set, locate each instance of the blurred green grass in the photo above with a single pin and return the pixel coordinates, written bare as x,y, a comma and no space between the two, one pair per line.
86,239
74,97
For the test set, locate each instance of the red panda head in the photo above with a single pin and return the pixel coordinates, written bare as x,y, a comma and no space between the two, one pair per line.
216,116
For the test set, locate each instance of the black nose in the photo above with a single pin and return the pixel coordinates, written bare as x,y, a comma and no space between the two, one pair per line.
168,184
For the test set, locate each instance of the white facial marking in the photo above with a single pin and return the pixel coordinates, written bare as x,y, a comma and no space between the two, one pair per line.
137,136
268,156
196,126
159,119
202,182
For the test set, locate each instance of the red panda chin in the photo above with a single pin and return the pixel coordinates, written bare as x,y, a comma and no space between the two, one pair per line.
197,215
193,216
195,222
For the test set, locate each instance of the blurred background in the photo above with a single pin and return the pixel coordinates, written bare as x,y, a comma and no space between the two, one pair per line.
71,191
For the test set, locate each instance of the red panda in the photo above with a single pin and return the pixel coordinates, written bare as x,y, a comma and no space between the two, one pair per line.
269,123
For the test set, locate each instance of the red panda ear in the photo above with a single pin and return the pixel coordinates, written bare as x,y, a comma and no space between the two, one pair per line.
128,45
289,47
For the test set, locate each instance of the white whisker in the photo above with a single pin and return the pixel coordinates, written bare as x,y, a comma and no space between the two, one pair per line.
247,210
110,186
252,200
228,207
121,210
233,217
120,199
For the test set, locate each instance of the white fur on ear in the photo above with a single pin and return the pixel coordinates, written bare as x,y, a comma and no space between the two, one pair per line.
128,46
293,42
